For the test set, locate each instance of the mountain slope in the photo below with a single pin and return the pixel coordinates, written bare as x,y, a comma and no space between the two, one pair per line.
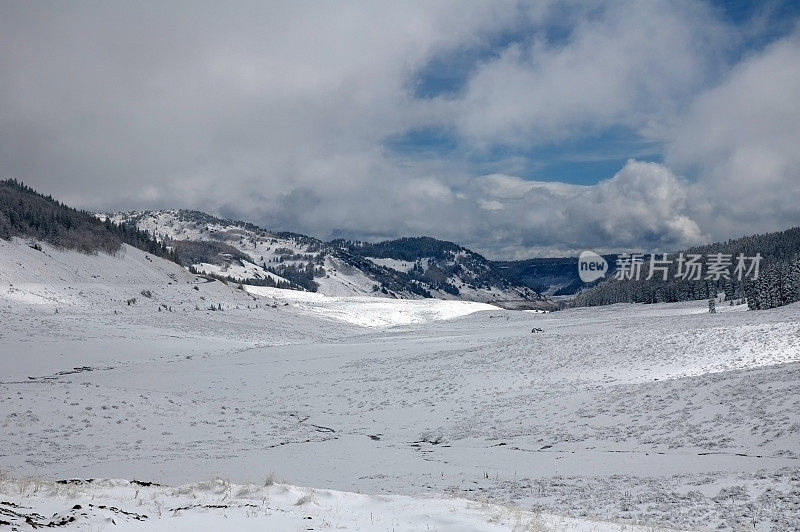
442,268
404,268
25,213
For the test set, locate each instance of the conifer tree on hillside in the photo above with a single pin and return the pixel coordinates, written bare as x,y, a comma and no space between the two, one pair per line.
26,213
777,283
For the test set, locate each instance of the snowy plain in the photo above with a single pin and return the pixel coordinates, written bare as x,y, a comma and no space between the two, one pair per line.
446,414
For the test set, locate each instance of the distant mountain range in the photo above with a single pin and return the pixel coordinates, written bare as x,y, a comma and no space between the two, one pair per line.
407,267
411,267
427,267
238,251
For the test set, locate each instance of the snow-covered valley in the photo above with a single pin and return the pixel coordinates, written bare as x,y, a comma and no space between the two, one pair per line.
396,414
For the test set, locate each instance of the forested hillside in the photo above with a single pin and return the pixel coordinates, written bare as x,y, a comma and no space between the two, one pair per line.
432,263
25,213
778,281
407,248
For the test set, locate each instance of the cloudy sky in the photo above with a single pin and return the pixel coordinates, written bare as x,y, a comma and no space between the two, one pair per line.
515,128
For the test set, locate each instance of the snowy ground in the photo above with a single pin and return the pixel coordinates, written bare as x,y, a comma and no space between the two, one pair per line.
219,505
659,415
371,311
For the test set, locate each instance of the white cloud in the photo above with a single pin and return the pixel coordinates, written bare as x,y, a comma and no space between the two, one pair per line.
278,112
741,139
623,64
112,98
491,205
643,206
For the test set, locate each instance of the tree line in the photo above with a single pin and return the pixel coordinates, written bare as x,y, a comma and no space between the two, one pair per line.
777,284
25,213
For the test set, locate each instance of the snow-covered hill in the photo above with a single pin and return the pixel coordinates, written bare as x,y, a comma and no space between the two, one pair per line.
157,303
406,268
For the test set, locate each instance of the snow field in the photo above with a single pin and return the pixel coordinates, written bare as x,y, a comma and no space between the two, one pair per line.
650,415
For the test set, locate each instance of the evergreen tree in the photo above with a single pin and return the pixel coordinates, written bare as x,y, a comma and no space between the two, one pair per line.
778,282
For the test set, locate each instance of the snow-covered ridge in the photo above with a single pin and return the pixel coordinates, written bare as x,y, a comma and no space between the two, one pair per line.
259,249
57,280
244,252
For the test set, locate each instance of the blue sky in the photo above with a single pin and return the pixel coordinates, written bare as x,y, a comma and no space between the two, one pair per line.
584,159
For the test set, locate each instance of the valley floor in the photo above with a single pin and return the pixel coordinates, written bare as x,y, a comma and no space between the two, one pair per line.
659,415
